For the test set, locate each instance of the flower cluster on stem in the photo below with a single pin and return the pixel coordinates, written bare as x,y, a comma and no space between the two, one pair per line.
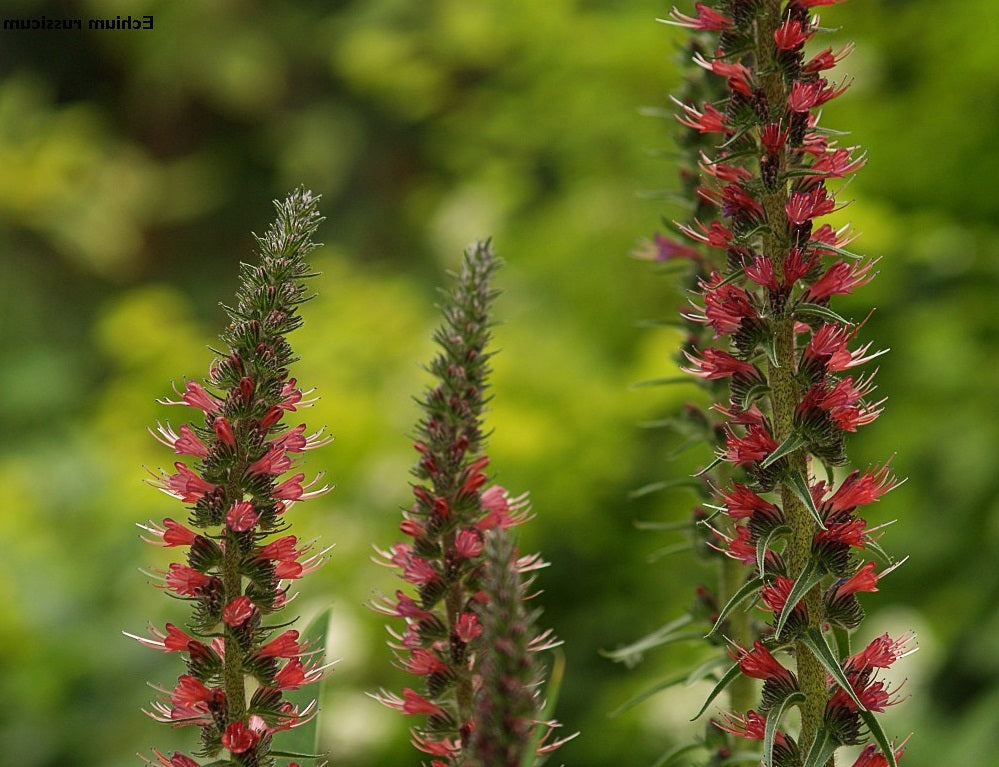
447,642
238,478
793,391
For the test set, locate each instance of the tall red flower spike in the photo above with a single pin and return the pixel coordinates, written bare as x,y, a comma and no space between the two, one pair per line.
239,481
792,395
467,636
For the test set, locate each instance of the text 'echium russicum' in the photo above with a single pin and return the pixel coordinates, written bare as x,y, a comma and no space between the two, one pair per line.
468,636
794,388
239,478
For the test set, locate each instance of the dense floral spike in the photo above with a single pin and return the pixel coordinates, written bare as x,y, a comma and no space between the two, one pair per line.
454,514
787,360
508,699
235,574
720,372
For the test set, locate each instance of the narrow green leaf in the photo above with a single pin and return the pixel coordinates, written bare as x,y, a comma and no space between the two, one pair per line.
655,487
764,543
816,642
800,488
879,736
724,682
773,722
306,738
668,381
664,684
552,689
823,747
833,249
706,668
718,459
663,527
749,588
810,576
666,551
821,311
671,756
742,758
788,446
632,653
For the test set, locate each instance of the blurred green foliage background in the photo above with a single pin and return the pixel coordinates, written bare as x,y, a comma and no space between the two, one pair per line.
134,164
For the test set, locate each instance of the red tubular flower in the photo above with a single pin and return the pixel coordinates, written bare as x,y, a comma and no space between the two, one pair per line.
707,18
865,579
236,501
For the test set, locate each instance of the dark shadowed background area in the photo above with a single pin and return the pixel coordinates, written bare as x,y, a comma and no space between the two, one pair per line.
134,164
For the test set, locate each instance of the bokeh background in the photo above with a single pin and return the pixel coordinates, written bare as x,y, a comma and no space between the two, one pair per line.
133,166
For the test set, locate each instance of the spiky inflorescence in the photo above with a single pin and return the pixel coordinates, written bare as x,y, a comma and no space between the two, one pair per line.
508,700
786,355
453,510
239,561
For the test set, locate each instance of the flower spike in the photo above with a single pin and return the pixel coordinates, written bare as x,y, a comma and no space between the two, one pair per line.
237,453
468,636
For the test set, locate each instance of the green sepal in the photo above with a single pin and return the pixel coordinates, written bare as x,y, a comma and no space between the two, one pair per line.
821,311
754,392
671,756
823,747
773,722
724,682
770,349
799,487
663,684
879,736
816,642
810,576
632,654
748,588
788,446
764,543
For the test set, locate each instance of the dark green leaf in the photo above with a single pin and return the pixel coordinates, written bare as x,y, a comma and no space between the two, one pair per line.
821,311
655,487
879,736
667,381
664,684
810,576
724,682
816,642
774,717
748,589
632,653
671,756
764,543
788,446
823,747
799,487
